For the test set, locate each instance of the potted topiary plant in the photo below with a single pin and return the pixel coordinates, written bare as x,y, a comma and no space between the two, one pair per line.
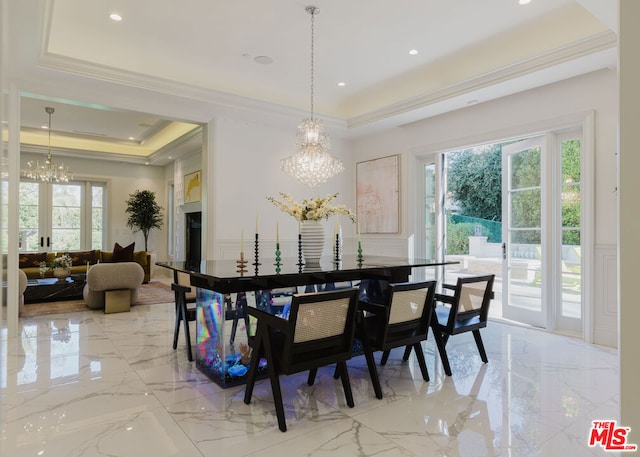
144,213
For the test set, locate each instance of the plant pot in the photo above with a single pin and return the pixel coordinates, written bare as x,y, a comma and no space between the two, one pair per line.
312,241
62,273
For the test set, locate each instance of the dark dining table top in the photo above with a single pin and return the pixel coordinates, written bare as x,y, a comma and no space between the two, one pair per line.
225,275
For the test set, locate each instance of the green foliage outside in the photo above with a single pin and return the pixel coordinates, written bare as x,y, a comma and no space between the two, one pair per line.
475,191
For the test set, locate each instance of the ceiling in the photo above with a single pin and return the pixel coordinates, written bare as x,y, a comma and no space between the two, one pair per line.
468,52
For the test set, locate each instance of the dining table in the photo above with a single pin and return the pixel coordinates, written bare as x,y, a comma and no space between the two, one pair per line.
224,288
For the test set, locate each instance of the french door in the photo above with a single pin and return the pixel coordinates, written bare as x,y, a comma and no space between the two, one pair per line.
524,236
542,231
61,216
538,250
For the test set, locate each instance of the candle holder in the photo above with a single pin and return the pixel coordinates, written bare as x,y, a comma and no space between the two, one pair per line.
257,263
300,262
360,258
278,258
337,253
242,264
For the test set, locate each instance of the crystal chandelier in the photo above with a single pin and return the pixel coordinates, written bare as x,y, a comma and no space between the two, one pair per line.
46,170
312,163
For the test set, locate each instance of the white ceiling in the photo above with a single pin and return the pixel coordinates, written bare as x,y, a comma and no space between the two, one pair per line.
469,51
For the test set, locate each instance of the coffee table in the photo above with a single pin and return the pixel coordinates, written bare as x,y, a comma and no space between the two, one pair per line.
53,289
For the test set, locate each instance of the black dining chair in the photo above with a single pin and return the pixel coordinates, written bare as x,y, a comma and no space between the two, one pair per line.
319,331
402,321
184,297
465,310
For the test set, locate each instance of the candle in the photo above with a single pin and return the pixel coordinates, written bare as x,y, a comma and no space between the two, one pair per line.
256,222
241,241
277,234
299,227
358,229
335,229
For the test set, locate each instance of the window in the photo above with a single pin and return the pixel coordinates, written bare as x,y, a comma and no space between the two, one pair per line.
61,217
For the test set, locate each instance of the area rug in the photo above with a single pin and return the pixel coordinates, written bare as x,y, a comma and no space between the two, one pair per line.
152,293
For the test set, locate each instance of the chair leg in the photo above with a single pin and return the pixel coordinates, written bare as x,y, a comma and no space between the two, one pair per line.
258,351
478,338
312,376
346,383
187,332
407,353
441,342
420,356
385,357
176,329
234,327
373,373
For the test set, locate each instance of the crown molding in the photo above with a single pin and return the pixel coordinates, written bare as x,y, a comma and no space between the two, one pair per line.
576,50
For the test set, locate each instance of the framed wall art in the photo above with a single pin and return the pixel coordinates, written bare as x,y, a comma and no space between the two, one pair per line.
378,195
192,188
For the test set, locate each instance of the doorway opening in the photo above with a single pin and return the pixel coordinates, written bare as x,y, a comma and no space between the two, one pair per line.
193,240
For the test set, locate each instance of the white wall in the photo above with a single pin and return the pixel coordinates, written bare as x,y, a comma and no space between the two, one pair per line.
525,113
248,170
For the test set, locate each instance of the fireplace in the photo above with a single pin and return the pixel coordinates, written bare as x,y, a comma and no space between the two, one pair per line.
193,245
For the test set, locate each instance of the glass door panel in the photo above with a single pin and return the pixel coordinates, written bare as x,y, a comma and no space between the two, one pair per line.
523,278
66,217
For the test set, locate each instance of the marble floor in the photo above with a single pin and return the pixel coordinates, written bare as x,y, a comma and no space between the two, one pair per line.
89,384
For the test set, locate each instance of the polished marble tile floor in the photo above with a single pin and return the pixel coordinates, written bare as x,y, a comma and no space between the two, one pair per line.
89,384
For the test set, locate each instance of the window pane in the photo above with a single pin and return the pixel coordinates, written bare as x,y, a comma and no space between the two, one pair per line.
571,161
525,209
28,216
525,169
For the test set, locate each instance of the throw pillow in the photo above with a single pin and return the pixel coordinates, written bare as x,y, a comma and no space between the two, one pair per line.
31,260
83,257
123,254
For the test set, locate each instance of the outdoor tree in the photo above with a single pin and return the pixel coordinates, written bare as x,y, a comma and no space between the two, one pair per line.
475,182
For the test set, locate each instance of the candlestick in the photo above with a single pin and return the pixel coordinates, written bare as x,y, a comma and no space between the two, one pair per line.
256,263
256,222
242,264
300,262
242,241
278,258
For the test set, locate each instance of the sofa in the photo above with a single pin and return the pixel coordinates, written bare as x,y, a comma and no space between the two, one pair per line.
29,263
103,278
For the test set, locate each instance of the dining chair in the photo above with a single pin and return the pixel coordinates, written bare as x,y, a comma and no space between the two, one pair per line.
184,296
402,321
466,310
319,331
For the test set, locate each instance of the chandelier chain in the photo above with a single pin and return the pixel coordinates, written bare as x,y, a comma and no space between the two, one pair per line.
313,14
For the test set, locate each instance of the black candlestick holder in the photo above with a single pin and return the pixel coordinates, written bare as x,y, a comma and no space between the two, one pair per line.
256,262
300,262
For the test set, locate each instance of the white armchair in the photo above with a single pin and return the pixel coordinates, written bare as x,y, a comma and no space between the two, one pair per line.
111,282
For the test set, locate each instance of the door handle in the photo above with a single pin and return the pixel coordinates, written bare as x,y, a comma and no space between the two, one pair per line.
504,251
48,244
42,241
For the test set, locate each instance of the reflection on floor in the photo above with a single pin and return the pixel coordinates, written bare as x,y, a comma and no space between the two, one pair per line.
90,384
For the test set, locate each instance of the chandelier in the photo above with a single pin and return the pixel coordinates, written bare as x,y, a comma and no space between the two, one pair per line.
312,163
46,170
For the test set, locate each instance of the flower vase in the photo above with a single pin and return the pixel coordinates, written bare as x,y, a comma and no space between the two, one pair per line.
62,273
312,241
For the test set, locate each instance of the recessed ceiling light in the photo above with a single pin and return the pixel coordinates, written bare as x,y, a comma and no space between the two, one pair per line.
264,60
115,17
44,127
169,157
342,84
413,52
131,138
524,2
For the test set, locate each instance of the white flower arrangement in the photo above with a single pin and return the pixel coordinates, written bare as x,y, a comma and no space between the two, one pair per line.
64,261
313,209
